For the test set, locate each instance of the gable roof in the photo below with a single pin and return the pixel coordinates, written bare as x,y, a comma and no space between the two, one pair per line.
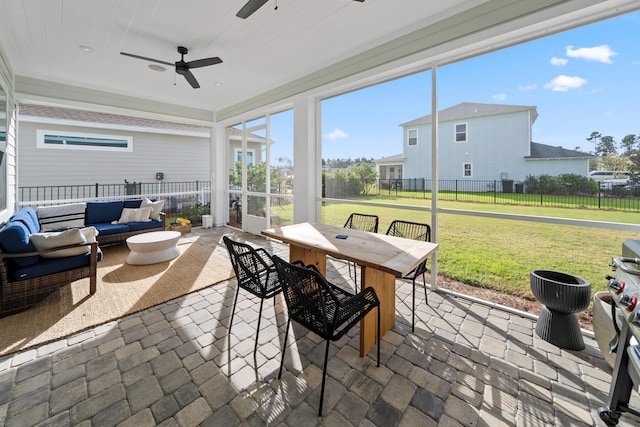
467,110
396,158
543,151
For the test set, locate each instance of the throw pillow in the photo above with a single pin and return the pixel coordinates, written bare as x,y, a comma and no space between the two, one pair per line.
89,233
134,215
51,240
60,217
156,207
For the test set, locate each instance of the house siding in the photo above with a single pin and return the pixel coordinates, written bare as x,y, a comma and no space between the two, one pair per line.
497,146
180,158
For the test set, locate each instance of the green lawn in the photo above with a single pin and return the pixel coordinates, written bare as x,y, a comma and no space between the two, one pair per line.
499,254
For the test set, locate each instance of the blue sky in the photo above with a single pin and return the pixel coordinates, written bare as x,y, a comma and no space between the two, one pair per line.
583,80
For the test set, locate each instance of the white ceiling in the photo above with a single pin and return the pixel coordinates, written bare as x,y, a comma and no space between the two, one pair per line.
270,49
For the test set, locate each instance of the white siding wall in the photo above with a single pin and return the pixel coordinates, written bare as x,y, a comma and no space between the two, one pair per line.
180,158
495,144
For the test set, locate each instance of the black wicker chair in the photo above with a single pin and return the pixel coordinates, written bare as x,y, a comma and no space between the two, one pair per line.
256,273
415,231
362,222
322,307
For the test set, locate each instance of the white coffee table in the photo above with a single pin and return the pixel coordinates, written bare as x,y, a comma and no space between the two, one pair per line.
153,247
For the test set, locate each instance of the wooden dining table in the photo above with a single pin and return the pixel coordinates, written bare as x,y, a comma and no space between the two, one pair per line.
382,259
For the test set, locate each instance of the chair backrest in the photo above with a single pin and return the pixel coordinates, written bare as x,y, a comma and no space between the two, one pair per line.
305,291
251,269
410,230
362,222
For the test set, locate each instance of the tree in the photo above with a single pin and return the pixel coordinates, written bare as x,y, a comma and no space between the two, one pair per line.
594,137
628,143
606,146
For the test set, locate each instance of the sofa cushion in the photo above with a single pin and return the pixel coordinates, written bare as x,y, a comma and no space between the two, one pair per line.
103,212
59,217
134,215
132,203
137,226
105,229
28,217
56,239
156,207
48,266
14,239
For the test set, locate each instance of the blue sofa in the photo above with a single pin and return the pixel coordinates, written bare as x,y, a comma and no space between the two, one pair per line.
28,275
103,214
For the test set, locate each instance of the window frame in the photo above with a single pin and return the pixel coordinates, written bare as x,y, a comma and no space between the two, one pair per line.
409,137
456,133
464,169
251,156
42,133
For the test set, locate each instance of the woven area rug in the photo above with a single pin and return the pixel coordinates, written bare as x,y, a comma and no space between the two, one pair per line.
122,289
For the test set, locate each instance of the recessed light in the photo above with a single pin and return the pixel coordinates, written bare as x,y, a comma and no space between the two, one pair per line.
218,84
156,67
85,48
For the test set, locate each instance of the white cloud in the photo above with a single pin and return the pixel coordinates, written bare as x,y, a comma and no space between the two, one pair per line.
559,61
528,87
565,83
499,97
601,53
336,134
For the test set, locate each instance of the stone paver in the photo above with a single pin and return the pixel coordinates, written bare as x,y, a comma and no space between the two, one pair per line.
467,364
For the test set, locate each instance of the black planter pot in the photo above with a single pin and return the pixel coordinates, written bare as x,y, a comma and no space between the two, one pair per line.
562,295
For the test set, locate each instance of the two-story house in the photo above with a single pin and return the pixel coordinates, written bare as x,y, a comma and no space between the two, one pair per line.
480,142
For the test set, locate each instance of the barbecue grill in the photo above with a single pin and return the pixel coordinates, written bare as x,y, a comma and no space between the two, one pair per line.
624,287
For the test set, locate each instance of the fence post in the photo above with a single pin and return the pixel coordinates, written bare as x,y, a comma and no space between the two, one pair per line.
456,190
495,191
96,190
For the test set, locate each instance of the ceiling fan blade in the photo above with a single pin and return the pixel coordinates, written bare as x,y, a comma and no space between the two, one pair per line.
249,8
191,79
204,62
144,58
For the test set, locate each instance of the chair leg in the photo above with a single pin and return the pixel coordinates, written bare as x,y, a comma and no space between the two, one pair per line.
413,307
355,274
324,377
255,348
284,349
378,336
233,310
424,285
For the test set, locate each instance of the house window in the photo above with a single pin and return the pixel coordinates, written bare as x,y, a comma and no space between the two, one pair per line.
467,170
461,132
83,141
250,154
412,135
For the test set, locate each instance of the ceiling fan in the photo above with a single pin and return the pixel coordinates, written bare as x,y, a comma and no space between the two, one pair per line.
252,5
183,68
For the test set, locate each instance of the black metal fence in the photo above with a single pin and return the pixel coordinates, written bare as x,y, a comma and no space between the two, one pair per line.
181,198
489,191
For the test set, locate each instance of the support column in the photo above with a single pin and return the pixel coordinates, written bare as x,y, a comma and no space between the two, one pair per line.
307,164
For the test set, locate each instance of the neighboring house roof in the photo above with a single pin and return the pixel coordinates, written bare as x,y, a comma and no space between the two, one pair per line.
542,151
472,109
52,114
396,158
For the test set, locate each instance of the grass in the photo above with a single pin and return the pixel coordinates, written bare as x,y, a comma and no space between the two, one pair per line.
499,254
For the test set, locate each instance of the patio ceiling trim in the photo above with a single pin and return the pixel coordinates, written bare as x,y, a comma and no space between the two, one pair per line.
473,21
